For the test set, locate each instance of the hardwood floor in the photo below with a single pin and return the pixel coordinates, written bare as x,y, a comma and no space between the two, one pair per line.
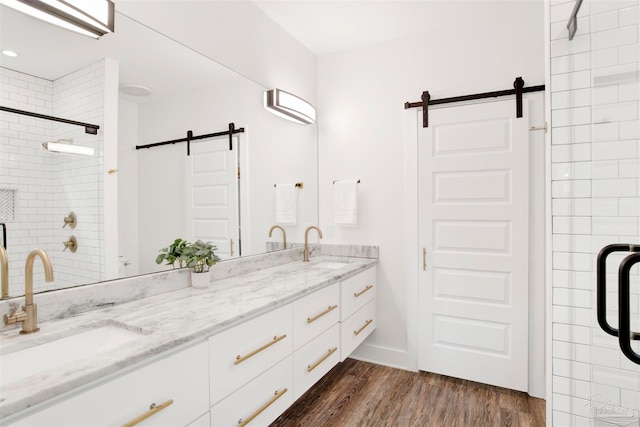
363,394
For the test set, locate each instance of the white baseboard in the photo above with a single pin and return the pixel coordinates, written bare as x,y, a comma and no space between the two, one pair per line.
391,357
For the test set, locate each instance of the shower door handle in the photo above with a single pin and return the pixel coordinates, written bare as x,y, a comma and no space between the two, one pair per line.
601,283
623,333
626,335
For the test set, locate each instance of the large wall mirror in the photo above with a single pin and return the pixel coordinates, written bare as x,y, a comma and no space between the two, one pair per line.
129,202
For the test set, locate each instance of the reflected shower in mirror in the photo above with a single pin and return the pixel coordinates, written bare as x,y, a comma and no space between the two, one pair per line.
140,87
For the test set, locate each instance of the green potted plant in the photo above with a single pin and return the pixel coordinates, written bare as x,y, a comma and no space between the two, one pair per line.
197,256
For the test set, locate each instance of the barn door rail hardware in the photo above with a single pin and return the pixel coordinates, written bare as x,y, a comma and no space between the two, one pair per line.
518,90
88,127
190,137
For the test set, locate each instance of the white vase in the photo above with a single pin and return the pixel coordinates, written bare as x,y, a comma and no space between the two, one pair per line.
200,280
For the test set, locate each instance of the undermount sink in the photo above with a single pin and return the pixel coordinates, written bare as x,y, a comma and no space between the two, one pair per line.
39,358
331,265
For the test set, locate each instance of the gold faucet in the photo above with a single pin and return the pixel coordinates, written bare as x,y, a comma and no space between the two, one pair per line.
307,252
284,234
4,266
29,314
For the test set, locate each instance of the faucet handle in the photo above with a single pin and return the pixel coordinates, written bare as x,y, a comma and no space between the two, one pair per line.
71,244
13,317
70,220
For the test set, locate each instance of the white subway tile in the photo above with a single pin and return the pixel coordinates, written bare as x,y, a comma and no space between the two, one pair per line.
629,207
605,357
630,399
614,150
574,152
563,47
571,81
571,135
571,225
629,16
605,207
605,94
629,129
616,377
571,207
571,243
574,188
603,169
602,6
630,168
579,116
622,187
614,112
628,53
620,226
616,37
604,21
604,57
573,262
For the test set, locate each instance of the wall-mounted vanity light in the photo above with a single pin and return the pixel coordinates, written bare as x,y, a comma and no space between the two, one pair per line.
59,147
90,18
289,106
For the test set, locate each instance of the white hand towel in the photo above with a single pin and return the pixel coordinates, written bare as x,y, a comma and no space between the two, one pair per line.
345,198
286,204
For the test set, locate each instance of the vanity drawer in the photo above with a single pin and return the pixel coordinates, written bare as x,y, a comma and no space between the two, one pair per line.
356,328
315,359
356,291
241,353
178,378
266,397
315,313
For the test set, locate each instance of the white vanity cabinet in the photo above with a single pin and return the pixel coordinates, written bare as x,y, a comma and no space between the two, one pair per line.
358,312
176,381
239,354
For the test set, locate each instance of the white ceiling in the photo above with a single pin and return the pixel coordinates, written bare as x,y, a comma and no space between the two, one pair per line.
327,26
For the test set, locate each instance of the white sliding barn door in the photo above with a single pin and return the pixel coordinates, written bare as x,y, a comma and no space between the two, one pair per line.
473,231
212,195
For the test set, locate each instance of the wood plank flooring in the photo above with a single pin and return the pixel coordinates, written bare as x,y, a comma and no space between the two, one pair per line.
361,394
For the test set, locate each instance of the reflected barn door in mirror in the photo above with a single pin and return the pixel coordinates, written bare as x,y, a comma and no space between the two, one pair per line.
212,195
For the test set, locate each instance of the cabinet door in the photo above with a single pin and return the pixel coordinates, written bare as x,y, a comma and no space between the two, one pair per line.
356,328
259,402
356,291
179,378
241,353
315,359
315,313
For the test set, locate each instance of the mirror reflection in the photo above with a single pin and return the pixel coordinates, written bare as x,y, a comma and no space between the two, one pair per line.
106,215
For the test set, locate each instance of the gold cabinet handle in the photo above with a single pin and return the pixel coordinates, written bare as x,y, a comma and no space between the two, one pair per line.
277,395
329,309
153,409
322,359
357,294
367,323
231,247
240,359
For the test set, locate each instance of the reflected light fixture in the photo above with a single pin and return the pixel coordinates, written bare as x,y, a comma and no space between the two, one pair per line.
289,106
90,18
69,148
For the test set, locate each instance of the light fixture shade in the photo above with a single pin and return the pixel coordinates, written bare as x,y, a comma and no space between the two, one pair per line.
289,106
91,18
58,147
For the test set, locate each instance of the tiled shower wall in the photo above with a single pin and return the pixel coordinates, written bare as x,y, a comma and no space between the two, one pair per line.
48,186
595,169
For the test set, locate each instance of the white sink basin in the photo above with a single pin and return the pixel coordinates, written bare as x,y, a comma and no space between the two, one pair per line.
39,358
331,265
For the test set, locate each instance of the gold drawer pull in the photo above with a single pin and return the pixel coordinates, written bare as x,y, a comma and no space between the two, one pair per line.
331,308
277,396
240,359
322,359
357,294
367,323
153,409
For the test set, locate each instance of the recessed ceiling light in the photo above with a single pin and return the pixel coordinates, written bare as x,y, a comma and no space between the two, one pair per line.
135,89
10,53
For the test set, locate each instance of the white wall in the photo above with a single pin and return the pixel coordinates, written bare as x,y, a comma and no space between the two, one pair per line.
365,133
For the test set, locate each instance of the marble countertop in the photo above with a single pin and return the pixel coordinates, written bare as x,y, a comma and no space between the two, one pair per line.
165,322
